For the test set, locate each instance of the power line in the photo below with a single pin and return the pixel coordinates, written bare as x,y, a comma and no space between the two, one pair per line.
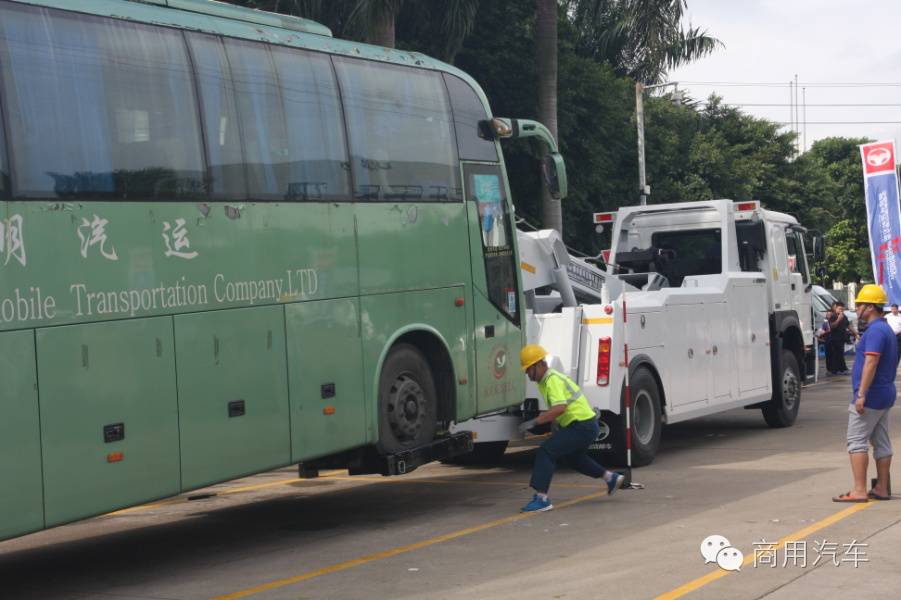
784,104
787,84
843,123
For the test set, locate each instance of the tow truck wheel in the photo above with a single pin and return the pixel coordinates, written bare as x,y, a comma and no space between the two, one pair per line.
782,410
647,426
407,401
647,423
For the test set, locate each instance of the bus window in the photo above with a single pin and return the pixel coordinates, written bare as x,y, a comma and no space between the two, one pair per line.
98,107
4,164
401,139
261,116
468,111
290,120
220,117
315,166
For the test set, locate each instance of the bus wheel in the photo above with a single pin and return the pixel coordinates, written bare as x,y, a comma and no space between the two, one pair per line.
407,401
782,410
647,423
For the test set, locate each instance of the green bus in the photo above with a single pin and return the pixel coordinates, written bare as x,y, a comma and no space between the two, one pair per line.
230,243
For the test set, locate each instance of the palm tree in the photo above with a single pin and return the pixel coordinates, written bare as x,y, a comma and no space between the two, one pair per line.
374,20
546,66
643,39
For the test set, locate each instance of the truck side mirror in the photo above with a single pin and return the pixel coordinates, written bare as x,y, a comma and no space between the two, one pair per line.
554,170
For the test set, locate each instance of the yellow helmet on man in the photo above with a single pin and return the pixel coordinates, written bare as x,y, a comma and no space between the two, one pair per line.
872,294
531,354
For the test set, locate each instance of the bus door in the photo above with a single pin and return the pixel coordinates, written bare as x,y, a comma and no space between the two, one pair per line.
496,306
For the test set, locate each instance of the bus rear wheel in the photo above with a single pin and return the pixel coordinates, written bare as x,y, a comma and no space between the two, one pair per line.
408,402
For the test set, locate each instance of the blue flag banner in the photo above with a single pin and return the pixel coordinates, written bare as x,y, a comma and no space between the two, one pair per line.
883,216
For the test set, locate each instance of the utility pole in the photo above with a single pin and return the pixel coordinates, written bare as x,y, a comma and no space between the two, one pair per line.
804,115
797,120
791,105
644,190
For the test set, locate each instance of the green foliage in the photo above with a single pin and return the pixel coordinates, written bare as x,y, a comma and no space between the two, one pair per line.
847,254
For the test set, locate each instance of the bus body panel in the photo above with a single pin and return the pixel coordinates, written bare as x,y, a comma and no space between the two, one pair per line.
107,388
232,393
325,372
392,237
21,501
94,261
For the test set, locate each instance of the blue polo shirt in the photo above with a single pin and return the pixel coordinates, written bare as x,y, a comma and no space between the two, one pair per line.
880,340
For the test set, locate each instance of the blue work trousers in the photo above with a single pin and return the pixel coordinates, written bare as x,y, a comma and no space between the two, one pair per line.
569,444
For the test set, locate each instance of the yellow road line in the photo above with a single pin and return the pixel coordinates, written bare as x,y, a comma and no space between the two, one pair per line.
796,536
247,488
343,566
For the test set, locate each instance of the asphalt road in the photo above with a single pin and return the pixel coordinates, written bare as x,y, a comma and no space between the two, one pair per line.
455,532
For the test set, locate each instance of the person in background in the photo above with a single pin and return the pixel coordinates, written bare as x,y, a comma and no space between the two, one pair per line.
894,321
873,385
840,331
823,336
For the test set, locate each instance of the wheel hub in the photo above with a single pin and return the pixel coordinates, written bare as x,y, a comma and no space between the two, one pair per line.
643,417
406,408
790,389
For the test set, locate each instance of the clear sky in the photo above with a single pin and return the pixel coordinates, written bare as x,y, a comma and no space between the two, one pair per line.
832,45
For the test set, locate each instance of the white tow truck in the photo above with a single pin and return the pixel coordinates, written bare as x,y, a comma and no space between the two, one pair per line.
702,307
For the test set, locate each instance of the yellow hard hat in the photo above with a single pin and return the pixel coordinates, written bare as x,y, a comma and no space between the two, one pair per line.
530,355
871,294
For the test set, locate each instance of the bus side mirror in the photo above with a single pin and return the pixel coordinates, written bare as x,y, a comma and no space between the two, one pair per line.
821,272
819,249
554,170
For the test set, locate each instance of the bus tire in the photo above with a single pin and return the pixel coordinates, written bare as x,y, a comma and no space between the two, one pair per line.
782,410
407,401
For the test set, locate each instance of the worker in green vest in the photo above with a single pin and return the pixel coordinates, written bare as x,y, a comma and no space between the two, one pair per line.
577,429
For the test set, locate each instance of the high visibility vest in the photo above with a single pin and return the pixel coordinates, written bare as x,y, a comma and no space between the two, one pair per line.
557,389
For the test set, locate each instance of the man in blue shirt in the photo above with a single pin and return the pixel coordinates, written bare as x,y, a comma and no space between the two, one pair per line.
873,382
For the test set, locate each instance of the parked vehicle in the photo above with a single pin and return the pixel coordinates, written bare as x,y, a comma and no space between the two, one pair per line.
704,307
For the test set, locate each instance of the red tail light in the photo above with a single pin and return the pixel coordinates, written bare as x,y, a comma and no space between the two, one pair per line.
604,361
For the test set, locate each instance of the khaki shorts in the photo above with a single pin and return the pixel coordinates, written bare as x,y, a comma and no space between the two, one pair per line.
869,428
